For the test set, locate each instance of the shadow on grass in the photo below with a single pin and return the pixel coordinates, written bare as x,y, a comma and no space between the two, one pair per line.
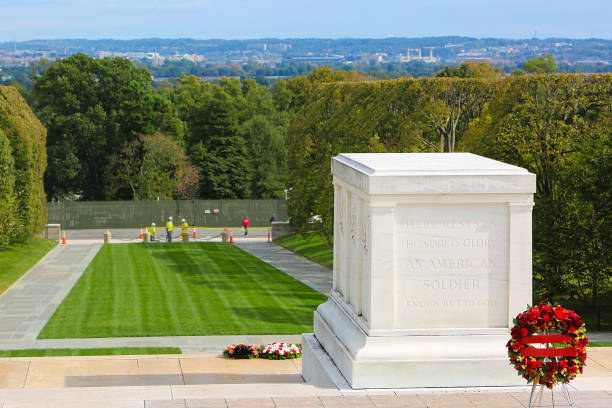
237,269
302,316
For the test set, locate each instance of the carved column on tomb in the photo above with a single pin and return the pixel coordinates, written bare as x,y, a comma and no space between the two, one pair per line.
519,265
381,266
355,255
365,261
338,228
346,248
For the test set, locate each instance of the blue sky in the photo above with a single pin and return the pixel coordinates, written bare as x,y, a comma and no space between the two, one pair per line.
234,19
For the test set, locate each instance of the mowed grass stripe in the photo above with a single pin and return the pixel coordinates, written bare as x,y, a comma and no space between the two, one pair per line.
245,305
182,289
168,308
190,272
268,282
218,293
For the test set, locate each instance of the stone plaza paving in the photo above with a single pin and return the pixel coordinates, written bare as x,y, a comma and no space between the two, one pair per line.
206,380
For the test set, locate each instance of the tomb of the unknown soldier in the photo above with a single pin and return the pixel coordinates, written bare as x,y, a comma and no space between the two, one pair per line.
432,260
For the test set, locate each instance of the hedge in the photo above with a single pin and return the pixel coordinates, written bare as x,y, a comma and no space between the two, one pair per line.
23,160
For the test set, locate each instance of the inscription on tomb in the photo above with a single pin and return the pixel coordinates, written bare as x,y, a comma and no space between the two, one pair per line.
451,262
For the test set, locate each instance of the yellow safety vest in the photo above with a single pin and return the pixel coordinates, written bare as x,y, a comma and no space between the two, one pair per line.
169,226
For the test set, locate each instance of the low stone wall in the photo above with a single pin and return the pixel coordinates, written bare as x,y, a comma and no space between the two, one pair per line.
280,229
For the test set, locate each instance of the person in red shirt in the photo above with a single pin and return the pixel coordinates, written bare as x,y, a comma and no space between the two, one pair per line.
245,224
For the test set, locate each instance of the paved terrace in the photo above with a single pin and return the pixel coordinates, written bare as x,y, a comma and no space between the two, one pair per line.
207,380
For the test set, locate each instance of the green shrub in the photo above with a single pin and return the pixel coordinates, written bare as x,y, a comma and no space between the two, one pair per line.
7,197
27,138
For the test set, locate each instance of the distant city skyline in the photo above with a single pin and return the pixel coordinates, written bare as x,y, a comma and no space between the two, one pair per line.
23,20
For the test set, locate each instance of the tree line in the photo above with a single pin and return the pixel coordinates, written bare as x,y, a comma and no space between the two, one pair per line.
112,136
556,126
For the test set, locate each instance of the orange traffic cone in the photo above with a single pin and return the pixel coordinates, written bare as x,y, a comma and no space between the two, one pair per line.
231,238
141,234
64,238
194,232
269,240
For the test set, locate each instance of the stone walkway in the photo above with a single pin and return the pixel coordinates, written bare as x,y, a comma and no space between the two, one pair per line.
29,303
311,273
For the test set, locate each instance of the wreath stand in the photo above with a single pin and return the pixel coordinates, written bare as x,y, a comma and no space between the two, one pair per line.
538,400
549,354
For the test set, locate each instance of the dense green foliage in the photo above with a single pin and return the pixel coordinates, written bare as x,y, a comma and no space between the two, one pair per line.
557,126
112,136
544,64
151,167
23,160
384,116
119,351
17,259
310,245
181,290
92,109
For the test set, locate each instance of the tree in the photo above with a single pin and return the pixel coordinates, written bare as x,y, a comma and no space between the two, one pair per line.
266,144
151,167
543,123
220,152
544,64
91,108
450,105
470,69
588,217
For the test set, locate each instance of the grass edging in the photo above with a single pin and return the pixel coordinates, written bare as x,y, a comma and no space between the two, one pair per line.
66,352
310,245
600,343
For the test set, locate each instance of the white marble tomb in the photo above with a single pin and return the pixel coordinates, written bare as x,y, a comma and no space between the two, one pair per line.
432,259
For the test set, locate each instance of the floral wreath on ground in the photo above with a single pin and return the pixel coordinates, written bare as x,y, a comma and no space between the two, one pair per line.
281,351
546,323
241,351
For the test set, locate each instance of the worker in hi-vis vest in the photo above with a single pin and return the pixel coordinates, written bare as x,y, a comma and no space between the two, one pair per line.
152,230
169,229
184,227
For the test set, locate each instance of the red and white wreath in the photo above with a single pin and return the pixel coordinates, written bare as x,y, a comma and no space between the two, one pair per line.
280,351
550,325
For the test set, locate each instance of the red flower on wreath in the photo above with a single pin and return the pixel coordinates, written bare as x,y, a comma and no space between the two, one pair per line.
551,365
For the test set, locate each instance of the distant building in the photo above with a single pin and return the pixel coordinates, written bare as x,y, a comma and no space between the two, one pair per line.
257,47
417,56
317,58
279,47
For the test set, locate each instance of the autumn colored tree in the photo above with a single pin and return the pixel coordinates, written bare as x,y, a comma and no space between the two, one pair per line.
151,167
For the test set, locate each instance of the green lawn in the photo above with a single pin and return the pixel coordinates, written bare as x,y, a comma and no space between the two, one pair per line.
18,259
90,352
600,343
182,289
311,246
